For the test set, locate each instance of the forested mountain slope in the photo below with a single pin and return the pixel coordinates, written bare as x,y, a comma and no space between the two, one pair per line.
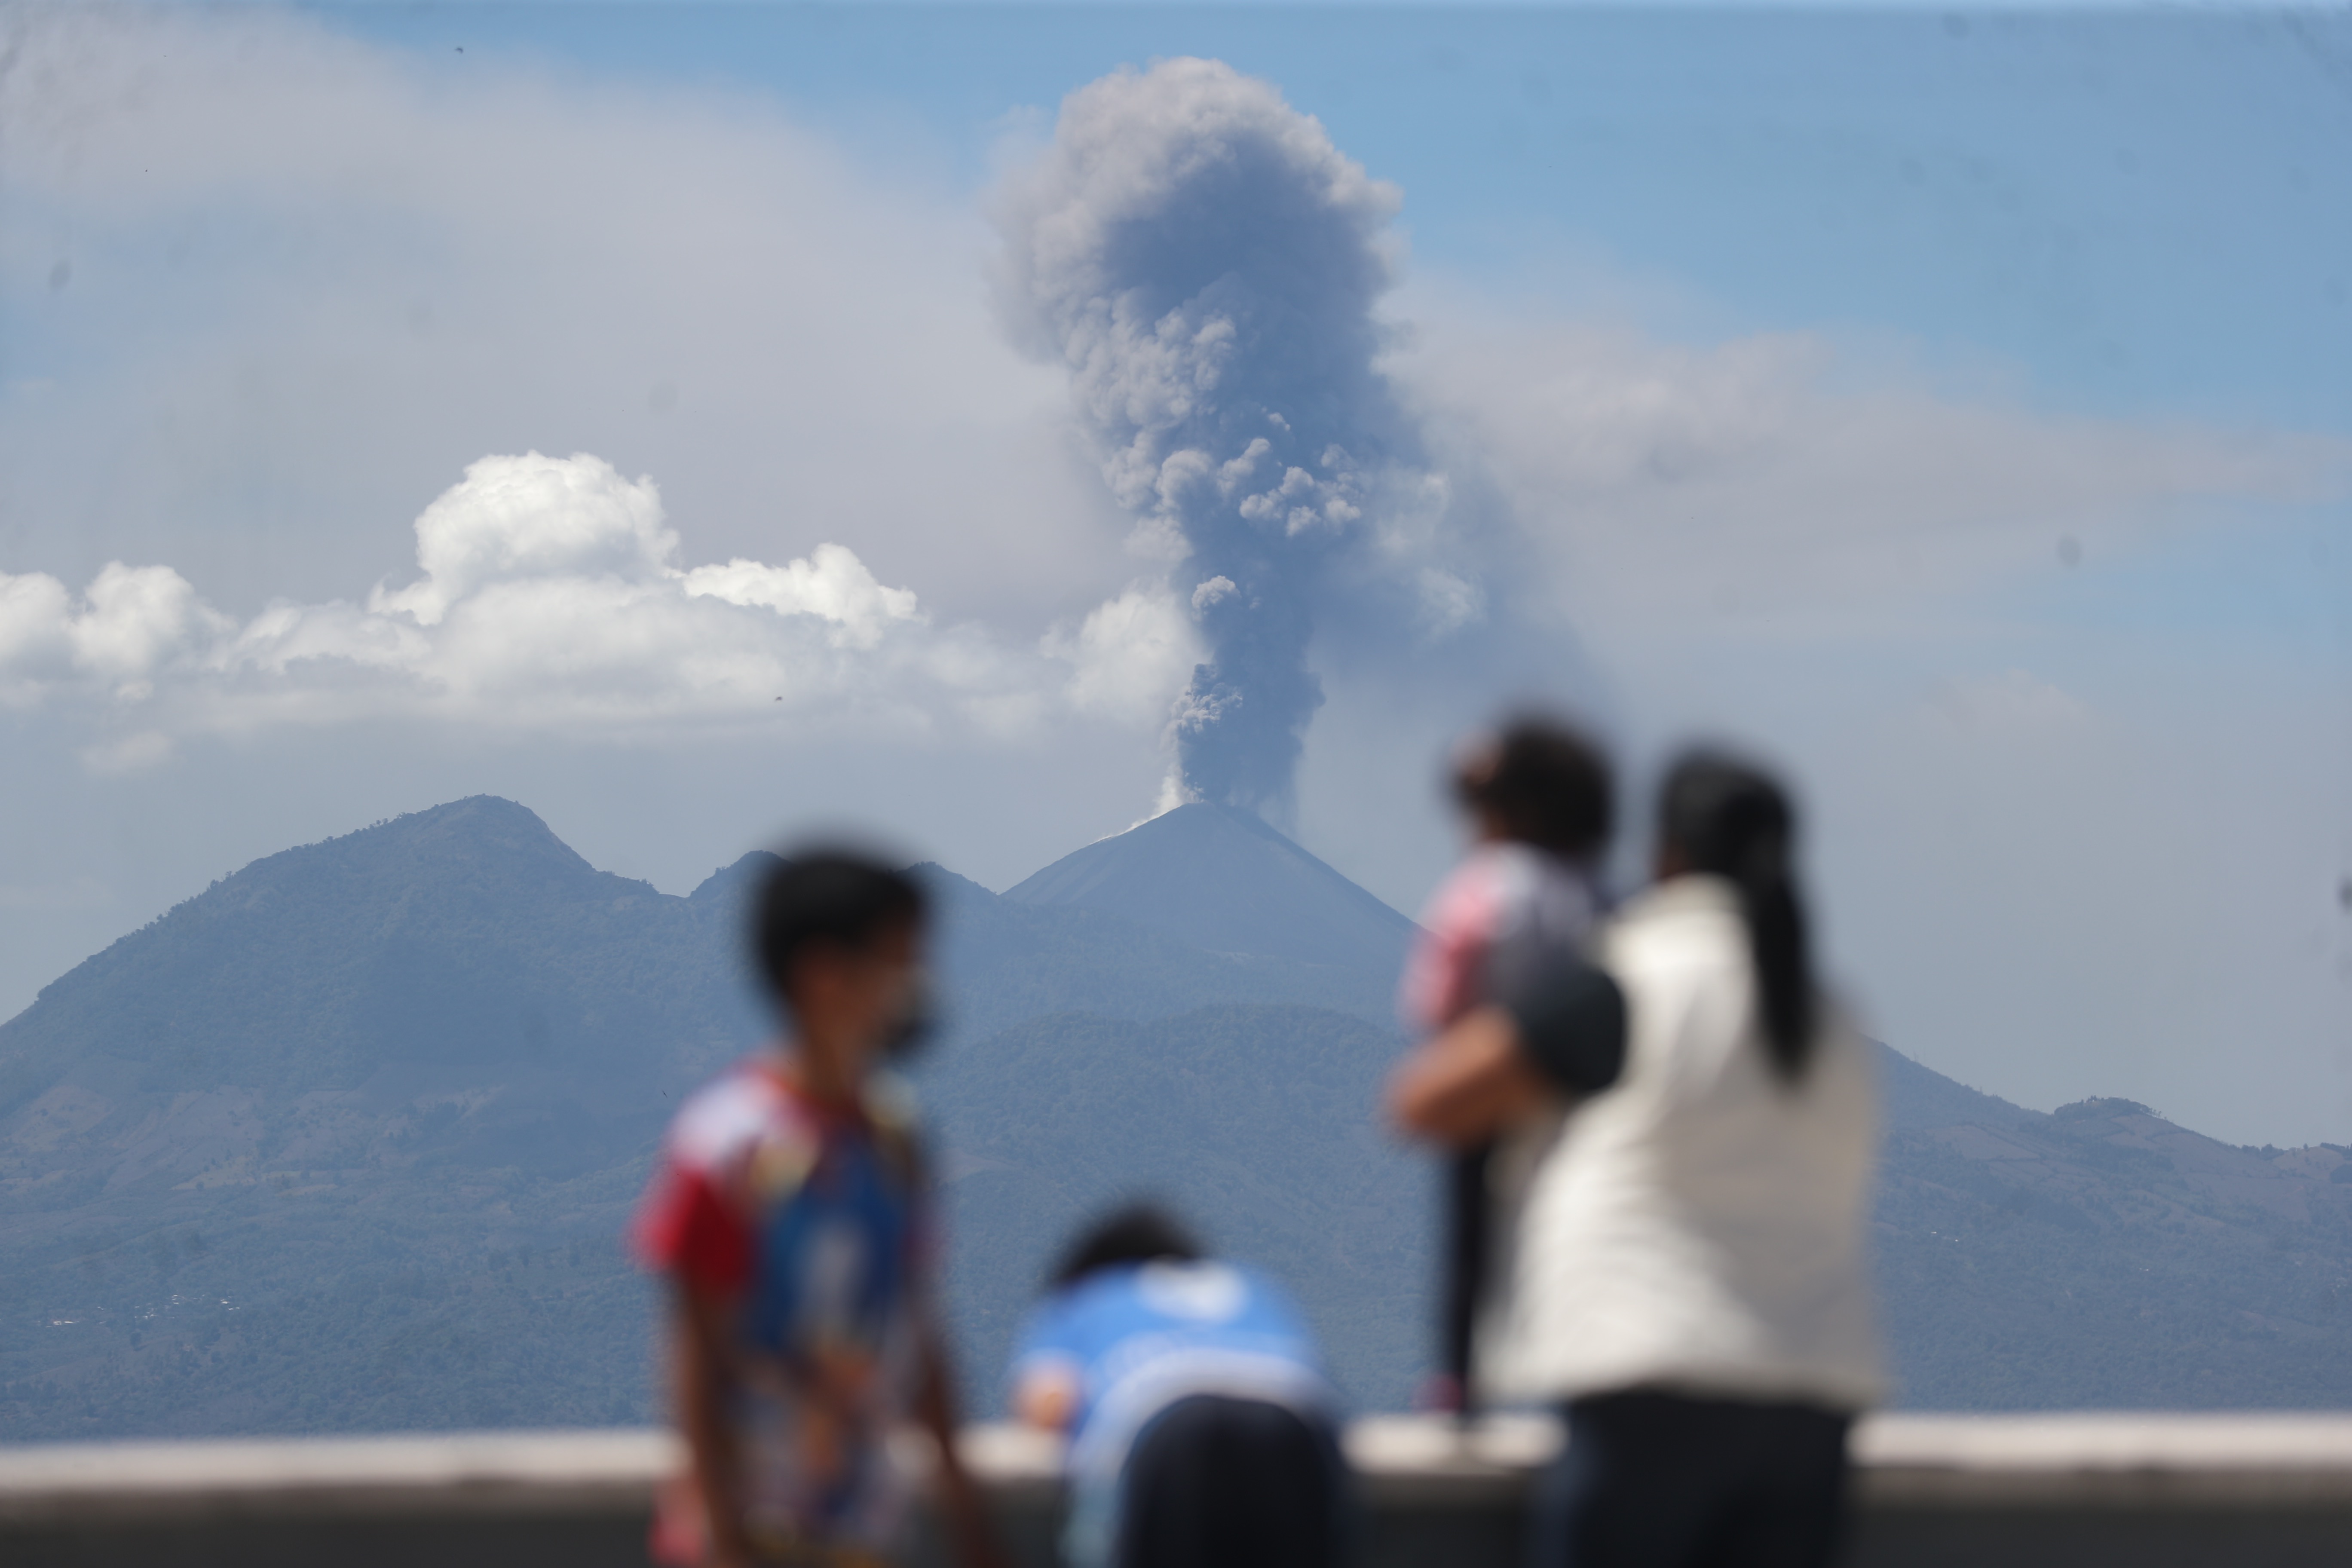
2103,1257
351,1140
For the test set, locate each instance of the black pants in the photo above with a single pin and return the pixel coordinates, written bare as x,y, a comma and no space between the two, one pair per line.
1662,1481
1215,1482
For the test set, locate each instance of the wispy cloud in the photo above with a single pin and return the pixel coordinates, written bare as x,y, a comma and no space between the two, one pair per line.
1658,488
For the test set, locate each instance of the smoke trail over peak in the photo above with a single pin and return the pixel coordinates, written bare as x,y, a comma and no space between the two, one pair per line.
1206,263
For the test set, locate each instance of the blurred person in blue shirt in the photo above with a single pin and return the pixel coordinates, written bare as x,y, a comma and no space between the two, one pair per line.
1201,1424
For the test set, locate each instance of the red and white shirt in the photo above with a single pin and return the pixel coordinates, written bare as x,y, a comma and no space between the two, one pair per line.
804,1218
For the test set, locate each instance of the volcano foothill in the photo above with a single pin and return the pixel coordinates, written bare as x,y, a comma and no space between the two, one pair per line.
351,1142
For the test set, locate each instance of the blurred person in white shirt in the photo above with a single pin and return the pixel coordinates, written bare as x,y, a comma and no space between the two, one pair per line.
1688,1282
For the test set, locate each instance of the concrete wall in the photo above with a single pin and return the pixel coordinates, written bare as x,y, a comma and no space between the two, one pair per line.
2082,1491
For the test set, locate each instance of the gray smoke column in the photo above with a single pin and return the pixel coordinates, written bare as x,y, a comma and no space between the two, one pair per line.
1206,263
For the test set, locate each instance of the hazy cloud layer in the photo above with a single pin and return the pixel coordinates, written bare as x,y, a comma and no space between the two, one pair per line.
1663,489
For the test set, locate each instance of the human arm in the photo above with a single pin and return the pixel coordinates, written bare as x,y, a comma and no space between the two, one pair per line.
962,1510
1464,1082
1045,1392
1562,1033
700,1374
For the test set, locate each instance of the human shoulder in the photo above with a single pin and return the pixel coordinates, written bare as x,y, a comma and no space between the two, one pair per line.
1205,1291
1466,901
726,1116
1516,873
1218,1296
1079,1319
1690,920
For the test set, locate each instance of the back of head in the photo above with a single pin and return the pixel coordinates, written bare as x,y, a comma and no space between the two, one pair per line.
1542,783
1138,1234
822,896
1725,817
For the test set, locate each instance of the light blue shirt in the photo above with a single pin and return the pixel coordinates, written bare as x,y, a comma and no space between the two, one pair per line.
1135,1338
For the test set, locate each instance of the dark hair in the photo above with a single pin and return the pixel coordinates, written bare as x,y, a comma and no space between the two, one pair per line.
1137,1234
1544,783
1726,817
822,895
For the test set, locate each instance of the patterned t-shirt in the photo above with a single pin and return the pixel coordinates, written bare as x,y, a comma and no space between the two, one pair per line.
806,1219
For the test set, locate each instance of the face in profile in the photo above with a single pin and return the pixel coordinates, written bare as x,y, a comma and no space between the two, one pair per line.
872,997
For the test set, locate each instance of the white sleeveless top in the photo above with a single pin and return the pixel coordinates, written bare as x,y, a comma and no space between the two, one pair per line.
1698,1226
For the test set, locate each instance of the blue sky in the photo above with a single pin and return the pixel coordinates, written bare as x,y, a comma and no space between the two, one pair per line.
2130,210
1949,405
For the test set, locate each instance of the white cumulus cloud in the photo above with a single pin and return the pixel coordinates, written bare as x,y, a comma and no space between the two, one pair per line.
550,594
533,517
1133,654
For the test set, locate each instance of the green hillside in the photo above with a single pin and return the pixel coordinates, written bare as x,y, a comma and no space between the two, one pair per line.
2103,1257
349,1142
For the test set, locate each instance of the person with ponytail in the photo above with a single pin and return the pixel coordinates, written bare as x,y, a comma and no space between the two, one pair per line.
1688,1281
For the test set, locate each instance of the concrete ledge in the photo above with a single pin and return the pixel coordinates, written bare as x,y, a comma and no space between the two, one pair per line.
506,1473
1418,1462
2080,1490
2100,1460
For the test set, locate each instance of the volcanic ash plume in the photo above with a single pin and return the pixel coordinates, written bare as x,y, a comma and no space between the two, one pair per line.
1206,263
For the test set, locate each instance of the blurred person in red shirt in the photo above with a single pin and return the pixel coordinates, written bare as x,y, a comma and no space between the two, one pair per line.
790,1215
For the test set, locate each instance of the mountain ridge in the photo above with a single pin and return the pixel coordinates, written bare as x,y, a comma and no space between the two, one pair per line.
348,1140
347,1089
1175,872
